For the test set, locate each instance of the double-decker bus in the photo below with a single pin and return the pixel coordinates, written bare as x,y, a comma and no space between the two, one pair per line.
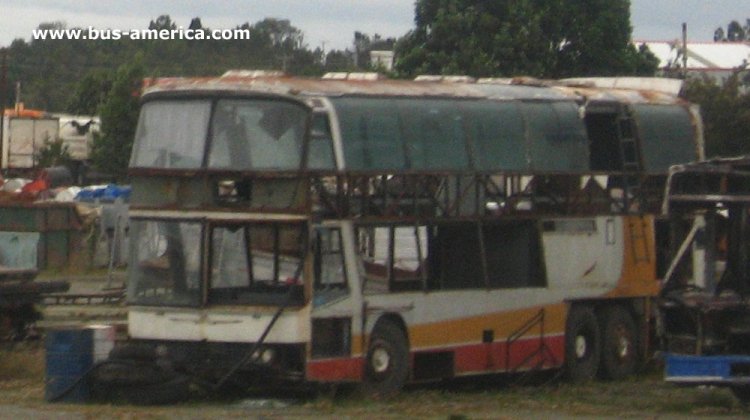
352,229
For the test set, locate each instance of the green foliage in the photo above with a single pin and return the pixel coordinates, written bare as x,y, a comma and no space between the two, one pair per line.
53,153
74,75
726,114
541,38
735,32
90,92
119,116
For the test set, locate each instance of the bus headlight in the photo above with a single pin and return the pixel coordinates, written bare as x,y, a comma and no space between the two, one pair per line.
265,356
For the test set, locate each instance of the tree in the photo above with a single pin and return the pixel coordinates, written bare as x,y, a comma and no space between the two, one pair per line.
68,75
90,92
542,38
119,116
162,22
725,110
735,32
196,24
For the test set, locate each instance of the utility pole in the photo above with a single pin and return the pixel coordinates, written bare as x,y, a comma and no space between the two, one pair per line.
684,51
3,91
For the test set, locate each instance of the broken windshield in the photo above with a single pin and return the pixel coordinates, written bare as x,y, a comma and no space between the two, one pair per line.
248,263
245,134
171,134
164,263
257,134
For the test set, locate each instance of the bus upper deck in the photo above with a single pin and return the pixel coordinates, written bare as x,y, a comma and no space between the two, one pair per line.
569,142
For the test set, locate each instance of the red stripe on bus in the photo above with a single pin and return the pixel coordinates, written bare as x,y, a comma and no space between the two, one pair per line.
482,357
332,370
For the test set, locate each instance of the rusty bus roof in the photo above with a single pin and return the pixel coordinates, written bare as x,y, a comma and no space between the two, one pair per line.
580,90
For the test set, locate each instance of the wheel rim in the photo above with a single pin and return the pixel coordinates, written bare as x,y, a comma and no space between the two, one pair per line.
581,346
622,344
381,360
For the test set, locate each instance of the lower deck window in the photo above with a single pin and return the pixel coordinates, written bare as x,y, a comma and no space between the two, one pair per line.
256,263
165,263
180,263
451,256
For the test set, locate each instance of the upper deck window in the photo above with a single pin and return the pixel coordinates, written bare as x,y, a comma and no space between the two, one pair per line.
439,134
257,134
667,136
320,151
497,135
171,134
371,133
557,137
245,134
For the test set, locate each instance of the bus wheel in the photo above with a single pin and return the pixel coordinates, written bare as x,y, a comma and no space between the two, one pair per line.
619,343
582,344
387,367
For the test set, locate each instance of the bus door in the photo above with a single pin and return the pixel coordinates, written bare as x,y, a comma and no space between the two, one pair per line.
334,317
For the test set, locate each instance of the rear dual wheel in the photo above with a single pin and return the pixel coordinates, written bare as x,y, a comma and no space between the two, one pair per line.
605,343
619,343
582,344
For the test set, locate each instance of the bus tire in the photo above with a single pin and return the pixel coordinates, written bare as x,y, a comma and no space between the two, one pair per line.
582,345
387,363
619,343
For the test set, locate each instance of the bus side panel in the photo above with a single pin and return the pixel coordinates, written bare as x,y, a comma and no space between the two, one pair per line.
335,370
639,259
503,341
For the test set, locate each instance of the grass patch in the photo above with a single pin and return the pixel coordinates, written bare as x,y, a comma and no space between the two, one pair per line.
22,361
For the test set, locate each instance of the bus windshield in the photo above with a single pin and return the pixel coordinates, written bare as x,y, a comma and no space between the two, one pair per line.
241,134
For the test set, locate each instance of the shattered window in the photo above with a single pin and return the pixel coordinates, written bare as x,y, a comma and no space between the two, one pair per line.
257,134
257,263
171,134
164,263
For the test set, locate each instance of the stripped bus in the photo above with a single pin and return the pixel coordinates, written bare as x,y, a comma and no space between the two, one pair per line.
355,229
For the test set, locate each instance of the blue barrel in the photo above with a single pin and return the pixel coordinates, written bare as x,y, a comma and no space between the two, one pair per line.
70,354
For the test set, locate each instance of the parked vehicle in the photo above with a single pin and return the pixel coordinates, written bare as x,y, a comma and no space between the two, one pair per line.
704,306
361,230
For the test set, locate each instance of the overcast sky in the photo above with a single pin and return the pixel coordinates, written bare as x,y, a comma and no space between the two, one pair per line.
331,23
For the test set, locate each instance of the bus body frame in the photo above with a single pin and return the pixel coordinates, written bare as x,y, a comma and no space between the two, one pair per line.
396,246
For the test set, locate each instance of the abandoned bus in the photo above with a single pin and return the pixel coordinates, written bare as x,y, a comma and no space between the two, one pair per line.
355,229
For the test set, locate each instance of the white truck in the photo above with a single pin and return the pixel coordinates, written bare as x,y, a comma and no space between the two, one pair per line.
26,132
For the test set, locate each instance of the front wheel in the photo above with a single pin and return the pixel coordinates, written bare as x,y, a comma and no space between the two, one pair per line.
387,364
582,344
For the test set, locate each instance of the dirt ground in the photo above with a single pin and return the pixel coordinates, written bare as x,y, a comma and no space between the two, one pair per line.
22,386
645,396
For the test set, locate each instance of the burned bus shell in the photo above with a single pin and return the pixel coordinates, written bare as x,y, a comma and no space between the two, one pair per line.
382,231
